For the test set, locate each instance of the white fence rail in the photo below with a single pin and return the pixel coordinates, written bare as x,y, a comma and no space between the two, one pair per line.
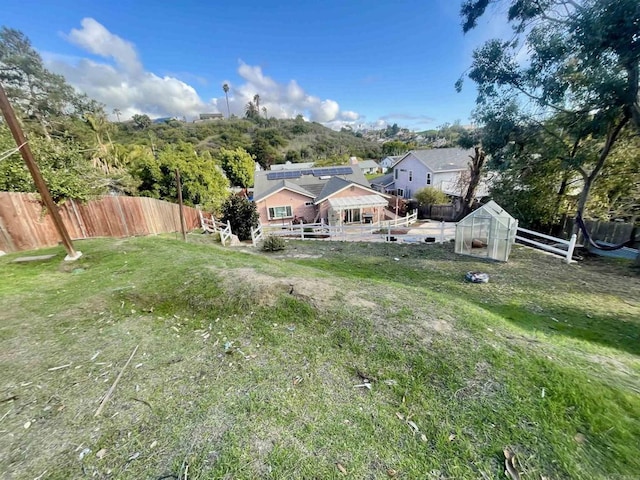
566,253
225,232
257,234
364,232
400,221
210,225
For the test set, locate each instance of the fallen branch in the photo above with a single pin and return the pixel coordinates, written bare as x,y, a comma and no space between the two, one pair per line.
113,387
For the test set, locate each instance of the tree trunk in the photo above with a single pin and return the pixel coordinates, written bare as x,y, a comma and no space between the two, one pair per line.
475,171
612,136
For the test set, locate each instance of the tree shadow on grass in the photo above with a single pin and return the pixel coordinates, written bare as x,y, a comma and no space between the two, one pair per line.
620,332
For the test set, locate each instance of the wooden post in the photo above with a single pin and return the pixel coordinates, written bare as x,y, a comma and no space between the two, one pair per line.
179,186
27,156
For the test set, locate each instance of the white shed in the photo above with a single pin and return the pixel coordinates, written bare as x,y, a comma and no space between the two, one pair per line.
488,232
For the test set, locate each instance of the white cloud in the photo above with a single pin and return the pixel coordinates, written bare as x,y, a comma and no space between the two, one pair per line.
281,100
95,38
122,82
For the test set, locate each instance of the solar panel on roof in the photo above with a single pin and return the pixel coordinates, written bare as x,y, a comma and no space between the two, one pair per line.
320,172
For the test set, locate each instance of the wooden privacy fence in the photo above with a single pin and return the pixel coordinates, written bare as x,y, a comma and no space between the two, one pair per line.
25,225
607,232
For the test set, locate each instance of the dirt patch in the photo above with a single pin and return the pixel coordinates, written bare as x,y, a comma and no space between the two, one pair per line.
267,289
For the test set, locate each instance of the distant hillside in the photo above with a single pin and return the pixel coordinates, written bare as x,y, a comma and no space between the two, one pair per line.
270,141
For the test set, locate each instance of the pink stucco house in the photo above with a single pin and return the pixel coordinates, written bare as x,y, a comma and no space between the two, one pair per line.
335,195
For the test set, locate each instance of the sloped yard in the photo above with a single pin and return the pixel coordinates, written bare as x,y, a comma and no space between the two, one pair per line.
330,360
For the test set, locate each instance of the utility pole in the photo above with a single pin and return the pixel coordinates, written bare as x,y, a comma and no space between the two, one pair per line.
179,186
27,156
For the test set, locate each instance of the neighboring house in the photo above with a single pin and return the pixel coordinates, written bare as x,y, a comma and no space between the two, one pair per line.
211,116
441,168
369,166
335,195
388,162
383,184
290,166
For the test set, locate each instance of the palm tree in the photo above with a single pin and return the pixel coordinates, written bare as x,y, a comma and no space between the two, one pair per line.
264,110
256,100
225,87
251,111
117,112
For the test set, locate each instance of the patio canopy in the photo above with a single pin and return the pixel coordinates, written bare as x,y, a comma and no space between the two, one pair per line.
361,201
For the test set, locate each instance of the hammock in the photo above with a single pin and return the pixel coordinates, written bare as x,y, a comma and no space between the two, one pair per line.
606,248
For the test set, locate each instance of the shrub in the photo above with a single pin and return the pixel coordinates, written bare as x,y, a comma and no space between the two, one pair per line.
431,196
273,244
241,214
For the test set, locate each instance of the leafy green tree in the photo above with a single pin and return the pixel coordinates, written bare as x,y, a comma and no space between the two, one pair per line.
238,165
395,147
584,63
242,215
141,122
264,153
292,156
36,93
64,168
431,196
203,182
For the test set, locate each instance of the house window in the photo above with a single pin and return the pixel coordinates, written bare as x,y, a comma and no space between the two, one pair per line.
280,212
411,175
400,192
395,173
428,178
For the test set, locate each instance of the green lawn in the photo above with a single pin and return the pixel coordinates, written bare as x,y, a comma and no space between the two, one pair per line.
248,364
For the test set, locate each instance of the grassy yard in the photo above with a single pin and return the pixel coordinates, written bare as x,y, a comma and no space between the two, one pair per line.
252,365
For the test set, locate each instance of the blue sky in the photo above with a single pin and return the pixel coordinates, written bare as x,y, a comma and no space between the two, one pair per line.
336,61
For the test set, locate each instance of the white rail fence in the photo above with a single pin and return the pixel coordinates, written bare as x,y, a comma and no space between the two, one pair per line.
365,232
561,247
210,225
405,221
257,234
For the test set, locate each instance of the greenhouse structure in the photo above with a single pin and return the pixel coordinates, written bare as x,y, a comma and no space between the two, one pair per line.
488,232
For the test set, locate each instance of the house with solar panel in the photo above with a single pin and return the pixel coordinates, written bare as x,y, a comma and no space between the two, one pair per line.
336,195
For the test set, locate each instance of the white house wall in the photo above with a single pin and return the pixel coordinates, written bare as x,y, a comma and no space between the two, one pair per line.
447,182
419,176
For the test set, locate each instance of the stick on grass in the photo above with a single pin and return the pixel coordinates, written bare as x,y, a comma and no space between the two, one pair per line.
113,387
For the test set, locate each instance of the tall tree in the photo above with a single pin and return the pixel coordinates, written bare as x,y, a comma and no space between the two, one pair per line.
225,88
141,122
238,166
34,91
251,110
117,112
584,61
202,179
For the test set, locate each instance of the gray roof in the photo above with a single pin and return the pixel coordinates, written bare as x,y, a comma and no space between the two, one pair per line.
442,159
384,180
368,164
277,185
314,187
